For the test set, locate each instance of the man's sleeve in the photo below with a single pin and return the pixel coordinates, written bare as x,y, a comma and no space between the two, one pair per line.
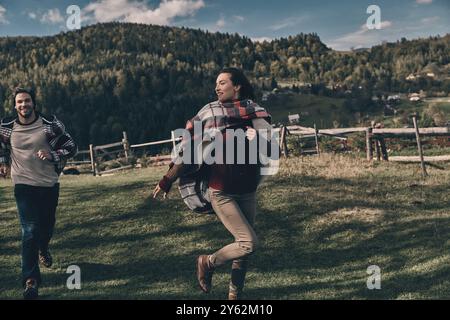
4,154
65,147
4,151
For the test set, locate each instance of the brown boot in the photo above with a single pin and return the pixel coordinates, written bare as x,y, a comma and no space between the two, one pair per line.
234,295
204,273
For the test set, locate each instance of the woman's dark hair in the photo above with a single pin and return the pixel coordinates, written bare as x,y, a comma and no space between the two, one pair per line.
23,90
238,78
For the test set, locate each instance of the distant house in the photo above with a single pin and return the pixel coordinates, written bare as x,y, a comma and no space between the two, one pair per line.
430,75
294,118
393,97
414,97
411,77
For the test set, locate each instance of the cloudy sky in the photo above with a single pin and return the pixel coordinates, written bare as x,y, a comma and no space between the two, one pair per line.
340,24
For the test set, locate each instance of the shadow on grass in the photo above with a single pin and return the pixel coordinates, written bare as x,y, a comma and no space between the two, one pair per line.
322,263
390,237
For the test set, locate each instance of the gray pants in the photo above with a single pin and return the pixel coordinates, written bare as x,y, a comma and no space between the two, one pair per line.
237,213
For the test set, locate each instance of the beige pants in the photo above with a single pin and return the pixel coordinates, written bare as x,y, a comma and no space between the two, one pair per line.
237,213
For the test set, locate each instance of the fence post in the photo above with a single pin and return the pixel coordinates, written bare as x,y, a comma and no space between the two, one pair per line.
173,139
286,150
369,148
91,153
317,140
419,147
283,141
383,148
377,148
126,145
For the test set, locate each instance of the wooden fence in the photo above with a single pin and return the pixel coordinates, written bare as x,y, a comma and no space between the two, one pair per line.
113,151
374,142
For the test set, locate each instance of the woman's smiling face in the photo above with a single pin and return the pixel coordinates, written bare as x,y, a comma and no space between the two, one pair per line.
225,89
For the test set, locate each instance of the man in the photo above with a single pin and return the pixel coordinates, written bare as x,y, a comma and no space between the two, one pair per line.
34,149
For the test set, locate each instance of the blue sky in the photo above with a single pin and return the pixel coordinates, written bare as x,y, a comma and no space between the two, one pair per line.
340,24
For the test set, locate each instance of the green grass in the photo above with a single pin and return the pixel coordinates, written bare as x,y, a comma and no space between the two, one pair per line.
311,108
445,107
325,112
406,108
428,151
321,223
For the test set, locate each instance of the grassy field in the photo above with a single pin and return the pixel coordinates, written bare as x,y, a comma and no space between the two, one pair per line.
321,223
311,108
325,112
445,107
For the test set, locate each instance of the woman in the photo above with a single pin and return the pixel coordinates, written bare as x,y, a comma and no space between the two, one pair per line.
232,187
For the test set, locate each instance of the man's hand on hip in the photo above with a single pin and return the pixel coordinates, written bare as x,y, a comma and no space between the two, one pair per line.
4,170
44,155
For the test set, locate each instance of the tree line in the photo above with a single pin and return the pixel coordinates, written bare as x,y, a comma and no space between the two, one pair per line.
108,78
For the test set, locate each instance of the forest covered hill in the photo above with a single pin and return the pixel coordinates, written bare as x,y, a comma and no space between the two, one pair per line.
107,78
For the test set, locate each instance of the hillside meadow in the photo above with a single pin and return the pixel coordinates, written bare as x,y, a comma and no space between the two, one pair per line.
321,223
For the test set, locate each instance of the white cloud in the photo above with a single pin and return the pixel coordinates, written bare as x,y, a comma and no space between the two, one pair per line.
385,24
52,16
287,23
361,38
221,22
424,1
32,15
261,39
139,12
430,20
3,19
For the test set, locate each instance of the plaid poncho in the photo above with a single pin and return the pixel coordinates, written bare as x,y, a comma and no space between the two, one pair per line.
219,116
215,116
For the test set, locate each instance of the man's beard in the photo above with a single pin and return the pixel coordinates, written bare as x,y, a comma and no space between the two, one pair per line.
28,113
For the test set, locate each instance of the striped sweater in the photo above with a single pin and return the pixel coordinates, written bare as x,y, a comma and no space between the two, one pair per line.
62,144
